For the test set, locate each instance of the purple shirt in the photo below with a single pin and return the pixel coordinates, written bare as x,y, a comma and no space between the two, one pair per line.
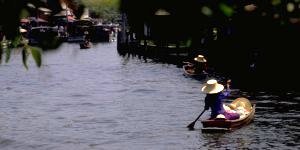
215,102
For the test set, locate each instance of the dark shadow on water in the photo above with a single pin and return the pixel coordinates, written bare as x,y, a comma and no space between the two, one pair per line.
242,78
175,59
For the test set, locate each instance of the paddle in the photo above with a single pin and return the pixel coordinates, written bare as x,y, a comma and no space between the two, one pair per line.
191,125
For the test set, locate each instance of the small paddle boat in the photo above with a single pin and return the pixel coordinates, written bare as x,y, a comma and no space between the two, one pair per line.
247,111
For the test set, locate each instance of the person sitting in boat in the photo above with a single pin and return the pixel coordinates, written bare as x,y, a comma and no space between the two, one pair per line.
215,94
200,64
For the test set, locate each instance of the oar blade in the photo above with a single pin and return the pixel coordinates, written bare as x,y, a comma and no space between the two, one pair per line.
191,126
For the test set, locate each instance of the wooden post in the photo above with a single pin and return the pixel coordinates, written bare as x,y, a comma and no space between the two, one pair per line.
122,37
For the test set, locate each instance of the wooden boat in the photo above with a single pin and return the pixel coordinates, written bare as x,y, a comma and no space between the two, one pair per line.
190,71
222,124
85,45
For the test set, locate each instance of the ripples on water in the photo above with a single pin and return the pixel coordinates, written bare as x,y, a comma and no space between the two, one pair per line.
97,99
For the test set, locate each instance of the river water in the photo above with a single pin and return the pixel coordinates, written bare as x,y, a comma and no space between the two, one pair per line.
97,99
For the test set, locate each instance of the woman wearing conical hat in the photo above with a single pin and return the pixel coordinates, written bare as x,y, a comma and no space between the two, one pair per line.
214,100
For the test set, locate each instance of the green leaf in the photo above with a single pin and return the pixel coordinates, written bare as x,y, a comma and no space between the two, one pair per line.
36,54
25,57
24,14
16,41
189,42
275,2
7,57
227,10
206,11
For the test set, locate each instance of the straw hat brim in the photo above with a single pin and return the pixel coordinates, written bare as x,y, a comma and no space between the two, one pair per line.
200,59
22,30
212,89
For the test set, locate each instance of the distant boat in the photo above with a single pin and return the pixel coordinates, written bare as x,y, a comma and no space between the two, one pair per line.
222,124
101,33
37,35
85,45
189,70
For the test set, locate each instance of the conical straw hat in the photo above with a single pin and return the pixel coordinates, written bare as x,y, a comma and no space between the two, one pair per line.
200,58
212,86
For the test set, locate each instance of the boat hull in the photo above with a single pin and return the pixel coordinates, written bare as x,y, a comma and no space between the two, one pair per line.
189,72
225,124
85,46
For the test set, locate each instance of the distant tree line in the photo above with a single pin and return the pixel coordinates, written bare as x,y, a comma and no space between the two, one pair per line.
107,10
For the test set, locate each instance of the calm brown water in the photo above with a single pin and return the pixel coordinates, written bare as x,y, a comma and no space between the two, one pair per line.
96,99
